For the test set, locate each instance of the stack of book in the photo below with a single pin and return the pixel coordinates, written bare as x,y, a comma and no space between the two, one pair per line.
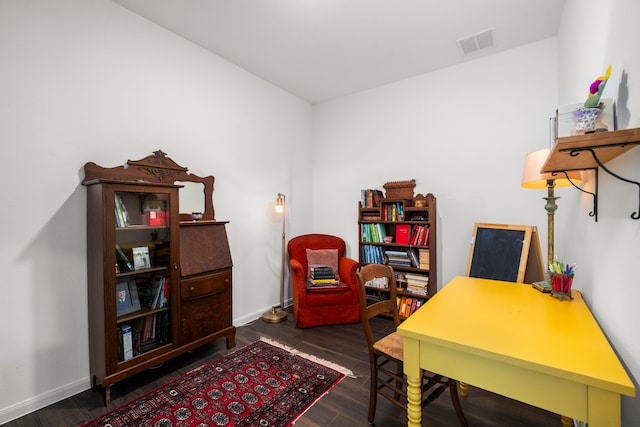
423,255
154,293
122,216
417,283
419,236
378,282
407,306
373,254
398,258
321,275
373,233
370,198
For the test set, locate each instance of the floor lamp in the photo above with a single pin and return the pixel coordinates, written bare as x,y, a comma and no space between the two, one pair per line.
277,313
532,178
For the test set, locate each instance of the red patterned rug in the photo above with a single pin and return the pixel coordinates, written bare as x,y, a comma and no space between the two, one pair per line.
261,384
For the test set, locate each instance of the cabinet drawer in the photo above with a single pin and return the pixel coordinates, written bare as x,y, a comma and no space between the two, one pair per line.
204,285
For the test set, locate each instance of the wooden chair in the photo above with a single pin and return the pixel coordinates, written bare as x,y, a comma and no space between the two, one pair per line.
386,355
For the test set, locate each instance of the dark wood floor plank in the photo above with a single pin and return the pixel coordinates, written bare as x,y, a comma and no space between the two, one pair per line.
346,405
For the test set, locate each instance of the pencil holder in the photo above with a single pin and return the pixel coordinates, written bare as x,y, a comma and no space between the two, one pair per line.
561,285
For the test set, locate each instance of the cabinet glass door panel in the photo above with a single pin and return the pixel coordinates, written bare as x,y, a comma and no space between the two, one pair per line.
143,271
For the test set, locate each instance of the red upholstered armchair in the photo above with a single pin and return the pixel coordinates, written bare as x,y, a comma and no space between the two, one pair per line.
323,306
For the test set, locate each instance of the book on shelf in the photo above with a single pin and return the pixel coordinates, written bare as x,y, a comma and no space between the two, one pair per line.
423,256
417,283
418,217
424,239
398,258
157,292
124,258
408,305
373,254
413,257
122,216
419,235
416,277
127,342
392,211
374,233
164,299
371,216
378,282
402,234
415,289
141,258
370,198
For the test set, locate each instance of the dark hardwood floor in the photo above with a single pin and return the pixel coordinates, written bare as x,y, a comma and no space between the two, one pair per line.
344,406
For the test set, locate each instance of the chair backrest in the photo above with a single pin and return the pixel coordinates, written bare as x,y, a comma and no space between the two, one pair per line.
388,306
297,247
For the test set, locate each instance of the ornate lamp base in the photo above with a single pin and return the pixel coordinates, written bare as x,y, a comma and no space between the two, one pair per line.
544,285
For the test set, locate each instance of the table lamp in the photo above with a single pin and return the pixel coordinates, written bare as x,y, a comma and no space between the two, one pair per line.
277,313
533,178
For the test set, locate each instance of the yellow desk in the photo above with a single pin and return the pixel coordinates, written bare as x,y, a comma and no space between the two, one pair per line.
510,339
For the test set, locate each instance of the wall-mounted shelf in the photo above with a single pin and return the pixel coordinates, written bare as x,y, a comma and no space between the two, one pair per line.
592,151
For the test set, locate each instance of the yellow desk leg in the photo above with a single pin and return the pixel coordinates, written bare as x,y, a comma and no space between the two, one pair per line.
464,388
414,409
566,421
414,381
604,408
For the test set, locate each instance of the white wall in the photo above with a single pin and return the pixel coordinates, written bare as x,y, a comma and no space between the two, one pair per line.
91,81
461,132
594,35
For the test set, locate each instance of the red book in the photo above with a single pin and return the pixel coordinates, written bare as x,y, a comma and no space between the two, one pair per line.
402,234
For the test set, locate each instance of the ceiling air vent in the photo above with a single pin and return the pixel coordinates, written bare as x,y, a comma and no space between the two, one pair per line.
476,42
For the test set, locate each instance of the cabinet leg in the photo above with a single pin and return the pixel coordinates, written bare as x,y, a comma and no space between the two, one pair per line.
231,339
107,395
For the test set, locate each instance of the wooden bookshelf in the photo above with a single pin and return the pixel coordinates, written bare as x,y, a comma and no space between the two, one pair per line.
412,255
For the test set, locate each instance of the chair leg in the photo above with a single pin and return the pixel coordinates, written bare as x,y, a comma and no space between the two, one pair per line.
399,383
455,399
373,390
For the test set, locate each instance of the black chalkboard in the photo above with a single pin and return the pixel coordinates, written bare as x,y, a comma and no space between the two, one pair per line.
501,252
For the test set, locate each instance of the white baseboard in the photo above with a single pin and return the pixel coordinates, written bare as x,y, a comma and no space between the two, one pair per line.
45,399
251,317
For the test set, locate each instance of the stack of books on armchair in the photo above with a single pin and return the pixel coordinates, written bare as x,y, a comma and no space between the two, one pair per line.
322,275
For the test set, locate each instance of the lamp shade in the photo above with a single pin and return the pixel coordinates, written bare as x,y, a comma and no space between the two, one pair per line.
534,179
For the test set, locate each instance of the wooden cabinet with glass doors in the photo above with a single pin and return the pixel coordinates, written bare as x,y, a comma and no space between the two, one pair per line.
143,295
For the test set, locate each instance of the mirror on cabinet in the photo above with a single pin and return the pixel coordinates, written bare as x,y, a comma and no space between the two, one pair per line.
191,196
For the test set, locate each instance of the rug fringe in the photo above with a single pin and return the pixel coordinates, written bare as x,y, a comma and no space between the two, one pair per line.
346,372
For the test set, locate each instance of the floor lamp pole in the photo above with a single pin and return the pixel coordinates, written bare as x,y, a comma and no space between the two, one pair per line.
277,313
